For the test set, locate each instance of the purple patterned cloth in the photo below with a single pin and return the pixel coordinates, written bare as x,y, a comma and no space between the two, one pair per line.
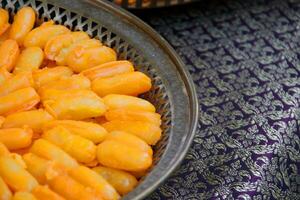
244,56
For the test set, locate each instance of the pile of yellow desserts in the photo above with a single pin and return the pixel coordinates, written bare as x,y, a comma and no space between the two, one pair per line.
72,126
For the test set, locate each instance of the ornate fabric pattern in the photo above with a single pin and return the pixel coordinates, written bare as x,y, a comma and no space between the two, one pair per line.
244,56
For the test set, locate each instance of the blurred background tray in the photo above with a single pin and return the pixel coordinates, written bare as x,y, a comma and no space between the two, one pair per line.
142,4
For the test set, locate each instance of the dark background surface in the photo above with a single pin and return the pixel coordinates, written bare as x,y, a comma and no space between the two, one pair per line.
244,59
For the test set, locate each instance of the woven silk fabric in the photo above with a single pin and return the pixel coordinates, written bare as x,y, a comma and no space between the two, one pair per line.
244,57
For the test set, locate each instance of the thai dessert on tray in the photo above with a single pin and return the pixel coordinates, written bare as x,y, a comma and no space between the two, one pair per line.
72,123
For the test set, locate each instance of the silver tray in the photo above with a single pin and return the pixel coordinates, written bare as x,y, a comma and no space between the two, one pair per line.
173,92
141,4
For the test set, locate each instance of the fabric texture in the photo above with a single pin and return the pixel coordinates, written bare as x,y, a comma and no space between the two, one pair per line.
244,57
